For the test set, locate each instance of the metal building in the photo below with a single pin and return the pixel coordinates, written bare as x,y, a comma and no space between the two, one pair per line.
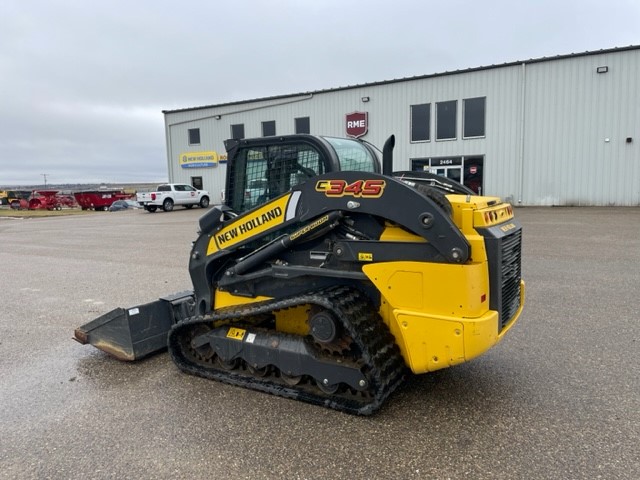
561,130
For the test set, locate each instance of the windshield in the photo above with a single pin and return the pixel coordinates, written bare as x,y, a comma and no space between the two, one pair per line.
353,155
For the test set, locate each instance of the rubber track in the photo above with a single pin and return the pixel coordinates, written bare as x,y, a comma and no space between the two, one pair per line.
383,365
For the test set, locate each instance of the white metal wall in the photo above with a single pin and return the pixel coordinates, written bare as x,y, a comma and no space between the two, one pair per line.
577,123
546,127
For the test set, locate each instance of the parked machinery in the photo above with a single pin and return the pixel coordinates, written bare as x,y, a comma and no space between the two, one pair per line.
100,199
335,280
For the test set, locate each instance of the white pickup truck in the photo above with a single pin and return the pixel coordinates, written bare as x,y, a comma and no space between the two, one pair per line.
169,195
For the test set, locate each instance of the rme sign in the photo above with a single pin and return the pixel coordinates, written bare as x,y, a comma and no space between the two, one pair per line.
357,124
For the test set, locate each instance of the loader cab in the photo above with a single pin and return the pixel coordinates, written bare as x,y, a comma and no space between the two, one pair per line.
262,169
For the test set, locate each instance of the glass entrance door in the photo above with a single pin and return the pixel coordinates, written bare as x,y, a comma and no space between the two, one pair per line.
465,170
454,173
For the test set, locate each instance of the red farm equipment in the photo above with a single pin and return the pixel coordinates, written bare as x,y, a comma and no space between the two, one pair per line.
100,199
45,199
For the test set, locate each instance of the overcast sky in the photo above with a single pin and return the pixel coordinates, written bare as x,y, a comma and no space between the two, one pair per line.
83,83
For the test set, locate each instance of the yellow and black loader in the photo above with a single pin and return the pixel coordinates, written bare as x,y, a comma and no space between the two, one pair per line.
332,280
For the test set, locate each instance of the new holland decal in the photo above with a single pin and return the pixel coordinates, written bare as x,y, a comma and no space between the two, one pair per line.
251,224
244,227
371,188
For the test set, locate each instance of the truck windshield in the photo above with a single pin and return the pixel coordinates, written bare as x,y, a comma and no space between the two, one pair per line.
353,155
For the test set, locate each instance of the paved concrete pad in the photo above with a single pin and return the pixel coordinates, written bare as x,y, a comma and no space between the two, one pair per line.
558,398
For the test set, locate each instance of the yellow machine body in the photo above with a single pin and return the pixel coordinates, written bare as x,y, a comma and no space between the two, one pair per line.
439,313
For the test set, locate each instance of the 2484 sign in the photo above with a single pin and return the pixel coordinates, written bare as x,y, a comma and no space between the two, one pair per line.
360,188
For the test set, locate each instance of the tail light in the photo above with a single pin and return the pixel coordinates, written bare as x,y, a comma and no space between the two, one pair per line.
153,196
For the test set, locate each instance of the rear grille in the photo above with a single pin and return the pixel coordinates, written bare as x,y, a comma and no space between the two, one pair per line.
504,255
510,275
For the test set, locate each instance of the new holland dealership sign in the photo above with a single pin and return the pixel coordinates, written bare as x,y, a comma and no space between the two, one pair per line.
357,124
199,159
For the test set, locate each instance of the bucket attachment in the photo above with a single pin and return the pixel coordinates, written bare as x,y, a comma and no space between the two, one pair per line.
133,333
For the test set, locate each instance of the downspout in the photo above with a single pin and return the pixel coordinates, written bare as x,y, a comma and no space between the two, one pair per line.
167,132
522,118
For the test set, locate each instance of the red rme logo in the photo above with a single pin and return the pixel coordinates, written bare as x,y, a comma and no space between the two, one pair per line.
357,124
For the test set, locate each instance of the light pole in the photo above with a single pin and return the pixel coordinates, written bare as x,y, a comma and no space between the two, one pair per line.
45,179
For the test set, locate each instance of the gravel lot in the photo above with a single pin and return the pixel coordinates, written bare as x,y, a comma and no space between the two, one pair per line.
558,398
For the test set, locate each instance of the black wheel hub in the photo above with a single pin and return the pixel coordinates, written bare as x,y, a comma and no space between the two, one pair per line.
323,327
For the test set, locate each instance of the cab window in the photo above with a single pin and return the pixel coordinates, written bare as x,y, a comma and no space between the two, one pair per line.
353,156
264,173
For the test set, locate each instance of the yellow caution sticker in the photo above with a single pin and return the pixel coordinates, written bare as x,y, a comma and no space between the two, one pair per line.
365,257
236,333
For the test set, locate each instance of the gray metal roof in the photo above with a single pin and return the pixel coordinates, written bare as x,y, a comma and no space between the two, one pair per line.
416,77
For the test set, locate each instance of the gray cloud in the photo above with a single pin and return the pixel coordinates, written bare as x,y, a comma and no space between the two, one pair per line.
82,84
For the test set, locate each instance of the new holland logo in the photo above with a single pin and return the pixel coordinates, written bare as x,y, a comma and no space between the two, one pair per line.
247,226
198,159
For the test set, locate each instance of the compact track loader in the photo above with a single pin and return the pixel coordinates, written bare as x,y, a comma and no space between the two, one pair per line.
332,279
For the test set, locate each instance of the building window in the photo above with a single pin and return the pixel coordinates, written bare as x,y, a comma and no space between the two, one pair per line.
474,117
194,136
303,125
237,131
420,122
269,128
420,164
196,182
446,120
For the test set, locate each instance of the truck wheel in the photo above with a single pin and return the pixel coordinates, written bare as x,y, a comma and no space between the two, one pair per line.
151,208
204,202
167,205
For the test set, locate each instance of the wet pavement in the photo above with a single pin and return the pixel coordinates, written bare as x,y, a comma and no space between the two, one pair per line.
558,398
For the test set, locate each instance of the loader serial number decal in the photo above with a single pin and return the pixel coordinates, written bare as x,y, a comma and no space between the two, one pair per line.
359,188
236,333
